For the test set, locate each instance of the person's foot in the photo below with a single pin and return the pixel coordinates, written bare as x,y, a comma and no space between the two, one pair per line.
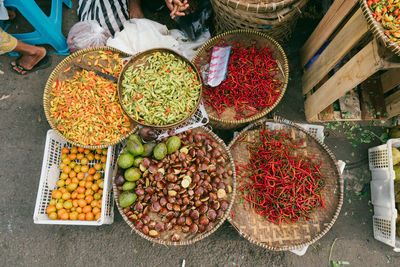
11,14
29,60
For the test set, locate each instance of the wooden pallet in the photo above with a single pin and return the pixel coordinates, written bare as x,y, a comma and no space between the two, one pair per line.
369,67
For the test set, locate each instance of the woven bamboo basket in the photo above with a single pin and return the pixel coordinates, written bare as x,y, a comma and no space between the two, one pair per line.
259,6
202,58
186,239
140,59
59,74
378,30
279,23
291,236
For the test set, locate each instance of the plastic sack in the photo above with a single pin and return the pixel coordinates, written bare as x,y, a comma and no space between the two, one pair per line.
86,34
139,35
188,48
3,11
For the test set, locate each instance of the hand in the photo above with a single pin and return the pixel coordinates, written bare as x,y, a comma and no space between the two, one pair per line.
177,7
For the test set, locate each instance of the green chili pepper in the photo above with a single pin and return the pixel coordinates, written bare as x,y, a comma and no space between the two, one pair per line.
166,92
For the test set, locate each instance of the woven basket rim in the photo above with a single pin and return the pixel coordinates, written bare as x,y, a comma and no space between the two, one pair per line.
201,235
285,68
286,122
377,29
160,49
282,15
260,7
48,89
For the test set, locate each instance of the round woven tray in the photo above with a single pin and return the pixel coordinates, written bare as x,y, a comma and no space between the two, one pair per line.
279,24
378,30
140,59
259,6
202,58
59,74
302,233
188,238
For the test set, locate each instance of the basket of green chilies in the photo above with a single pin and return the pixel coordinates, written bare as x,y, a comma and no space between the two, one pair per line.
159,88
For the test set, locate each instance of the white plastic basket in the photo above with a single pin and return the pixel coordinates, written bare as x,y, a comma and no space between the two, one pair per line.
382,193
50,175
316,130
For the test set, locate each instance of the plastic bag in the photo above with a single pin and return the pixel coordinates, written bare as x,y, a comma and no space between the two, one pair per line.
86,34
187,47
3,11
142,34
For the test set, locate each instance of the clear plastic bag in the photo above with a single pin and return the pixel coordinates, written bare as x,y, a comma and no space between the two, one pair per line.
86,34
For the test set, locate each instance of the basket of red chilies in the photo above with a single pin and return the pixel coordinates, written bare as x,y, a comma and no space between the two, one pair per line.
289,187
256,78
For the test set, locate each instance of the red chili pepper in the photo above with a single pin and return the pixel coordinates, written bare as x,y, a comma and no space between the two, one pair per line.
283,187
250,86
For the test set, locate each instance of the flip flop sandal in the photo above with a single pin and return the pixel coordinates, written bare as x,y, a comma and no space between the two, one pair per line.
45,62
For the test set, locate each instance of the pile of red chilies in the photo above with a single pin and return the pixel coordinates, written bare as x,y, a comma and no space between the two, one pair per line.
283,187
250,85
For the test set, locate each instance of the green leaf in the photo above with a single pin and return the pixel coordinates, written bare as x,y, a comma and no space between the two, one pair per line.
384,137
336,106
389,259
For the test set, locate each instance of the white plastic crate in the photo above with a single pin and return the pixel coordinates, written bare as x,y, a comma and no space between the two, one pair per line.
50,175
382,193
316,130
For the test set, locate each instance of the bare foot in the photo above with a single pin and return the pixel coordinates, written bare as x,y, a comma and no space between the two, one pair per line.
29,59
11,14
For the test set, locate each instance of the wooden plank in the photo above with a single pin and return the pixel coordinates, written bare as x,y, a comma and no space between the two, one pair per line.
344,41
335,15
359,68
390,79
393,104
326,114
393,98
372,101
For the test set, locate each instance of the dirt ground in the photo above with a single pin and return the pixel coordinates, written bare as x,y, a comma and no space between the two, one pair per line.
23,130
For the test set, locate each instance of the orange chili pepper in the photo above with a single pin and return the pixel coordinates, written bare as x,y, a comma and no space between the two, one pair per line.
86,109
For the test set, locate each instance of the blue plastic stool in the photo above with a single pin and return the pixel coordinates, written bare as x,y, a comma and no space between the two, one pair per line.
47,29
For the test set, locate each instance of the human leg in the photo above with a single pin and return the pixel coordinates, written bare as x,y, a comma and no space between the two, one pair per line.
11,14
135,9
7,42
30,56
